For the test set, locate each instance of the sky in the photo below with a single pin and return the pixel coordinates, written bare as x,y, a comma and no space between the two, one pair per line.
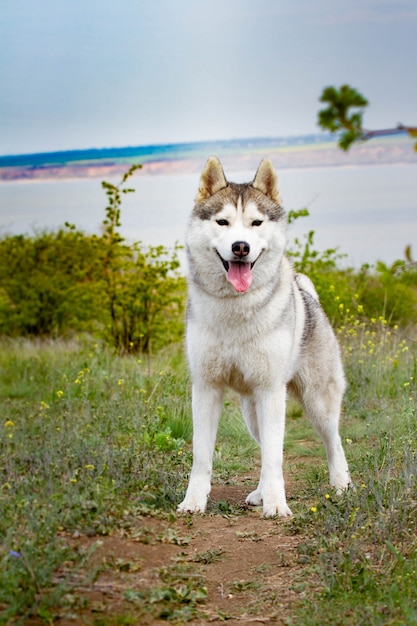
78,74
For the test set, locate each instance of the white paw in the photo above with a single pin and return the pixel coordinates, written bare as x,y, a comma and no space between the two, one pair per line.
254,498
341,488
272,510
341,482
192,505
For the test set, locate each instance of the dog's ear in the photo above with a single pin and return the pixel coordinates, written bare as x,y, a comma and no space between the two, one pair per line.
212,179
266,180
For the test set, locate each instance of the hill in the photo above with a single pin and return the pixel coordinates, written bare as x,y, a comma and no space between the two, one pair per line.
286,152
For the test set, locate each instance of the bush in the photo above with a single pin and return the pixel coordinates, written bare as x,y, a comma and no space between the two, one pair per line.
49,283
387,291
57,283
144,292
64,282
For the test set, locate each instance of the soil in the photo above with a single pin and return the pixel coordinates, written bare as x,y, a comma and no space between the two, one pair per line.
250,568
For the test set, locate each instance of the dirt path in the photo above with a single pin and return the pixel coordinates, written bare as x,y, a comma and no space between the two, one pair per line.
195,570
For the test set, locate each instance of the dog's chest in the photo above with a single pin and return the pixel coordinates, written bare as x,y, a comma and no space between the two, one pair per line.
237,344
238,367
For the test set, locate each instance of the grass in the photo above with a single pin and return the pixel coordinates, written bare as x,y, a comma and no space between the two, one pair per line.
89,439
85,445
177,599
363,545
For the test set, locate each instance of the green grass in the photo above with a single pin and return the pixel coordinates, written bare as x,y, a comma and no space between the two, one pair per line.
89,439
363,545
85,444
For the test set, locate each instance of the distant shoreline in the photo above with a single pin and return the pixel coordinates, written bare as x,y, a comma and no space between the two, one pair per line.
236,155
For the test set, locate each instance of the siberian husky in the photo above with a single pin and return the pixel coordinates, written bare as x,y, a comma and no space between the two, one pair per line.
256,326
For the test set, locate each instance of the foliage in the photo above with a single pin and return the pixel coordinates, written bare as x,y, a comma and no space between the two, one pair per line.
90,439
322,268
85,445
58,283
145,294
55,284
390,291
337,117
177,601
49,283
362,545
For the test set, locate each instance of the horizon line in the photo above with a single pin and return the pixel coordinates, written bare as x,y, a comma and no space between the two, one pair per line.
327,137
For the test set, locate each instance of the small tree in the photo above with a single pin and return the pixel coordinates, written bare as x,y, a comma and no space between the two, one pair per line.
55,283
144,292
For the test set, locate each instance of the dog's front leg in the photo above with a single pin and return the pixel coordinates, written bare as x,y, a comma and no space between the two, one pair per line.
206,403
270,412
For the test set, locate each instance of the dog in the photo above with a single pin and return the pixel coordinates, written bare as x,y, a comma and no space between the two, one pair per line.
255,325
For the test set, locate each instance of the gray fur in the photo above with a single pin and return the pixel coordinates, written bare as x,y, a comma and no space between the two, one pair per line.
255,326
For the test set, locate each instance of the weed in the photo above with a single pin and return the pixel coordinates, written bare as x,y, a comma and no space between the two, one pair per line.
80,452
363,543
90,440
244,585
178,599
225,508
210,556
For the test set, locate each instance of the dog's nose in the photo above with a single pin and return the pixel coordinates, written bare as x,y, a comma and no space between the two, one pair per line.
240,248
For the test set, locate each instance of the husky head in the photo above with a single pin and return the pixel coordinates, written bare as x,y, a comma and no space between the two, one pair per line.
235,228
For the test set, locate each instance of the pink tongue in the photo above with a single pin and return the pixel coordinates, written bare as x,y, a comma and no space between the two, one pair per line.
240,275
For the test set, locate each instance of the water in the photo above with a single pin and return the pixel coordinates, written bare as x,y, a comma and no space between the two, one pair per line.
369,212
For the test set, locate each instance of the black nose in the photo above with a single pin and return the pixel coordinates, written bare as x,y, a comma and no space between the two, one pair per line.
240,248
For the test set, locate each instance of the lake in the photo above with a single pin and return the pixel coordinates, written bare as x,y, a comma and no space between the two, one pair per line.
369,212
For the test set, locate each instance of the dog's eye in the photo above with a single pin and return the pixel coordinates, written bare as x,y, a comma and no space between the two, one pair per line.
222,222
256,222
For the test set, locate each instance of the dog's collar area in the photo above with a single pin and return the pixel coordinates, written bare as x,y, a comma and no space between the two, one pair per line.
226,264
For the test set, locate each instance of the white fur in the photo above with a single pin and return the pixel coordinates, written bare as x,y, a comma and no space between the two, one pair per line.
252,342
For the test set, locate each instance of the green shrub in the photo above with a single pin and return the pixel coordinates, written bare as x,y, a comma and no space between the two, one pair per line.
58,283
387,291
65,282
144,292
49,283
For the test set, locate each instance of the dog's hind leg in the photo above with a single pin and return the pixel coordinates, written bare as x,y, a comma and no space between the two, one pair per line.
336,459
207,404
322,406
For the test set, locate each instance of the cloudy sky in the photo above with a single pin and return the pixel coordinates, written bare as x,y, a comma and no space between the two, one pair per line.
103,73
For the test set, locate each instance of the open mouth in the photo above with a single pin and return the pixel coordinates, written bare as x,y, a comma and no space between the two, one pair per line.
239,273
226,264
